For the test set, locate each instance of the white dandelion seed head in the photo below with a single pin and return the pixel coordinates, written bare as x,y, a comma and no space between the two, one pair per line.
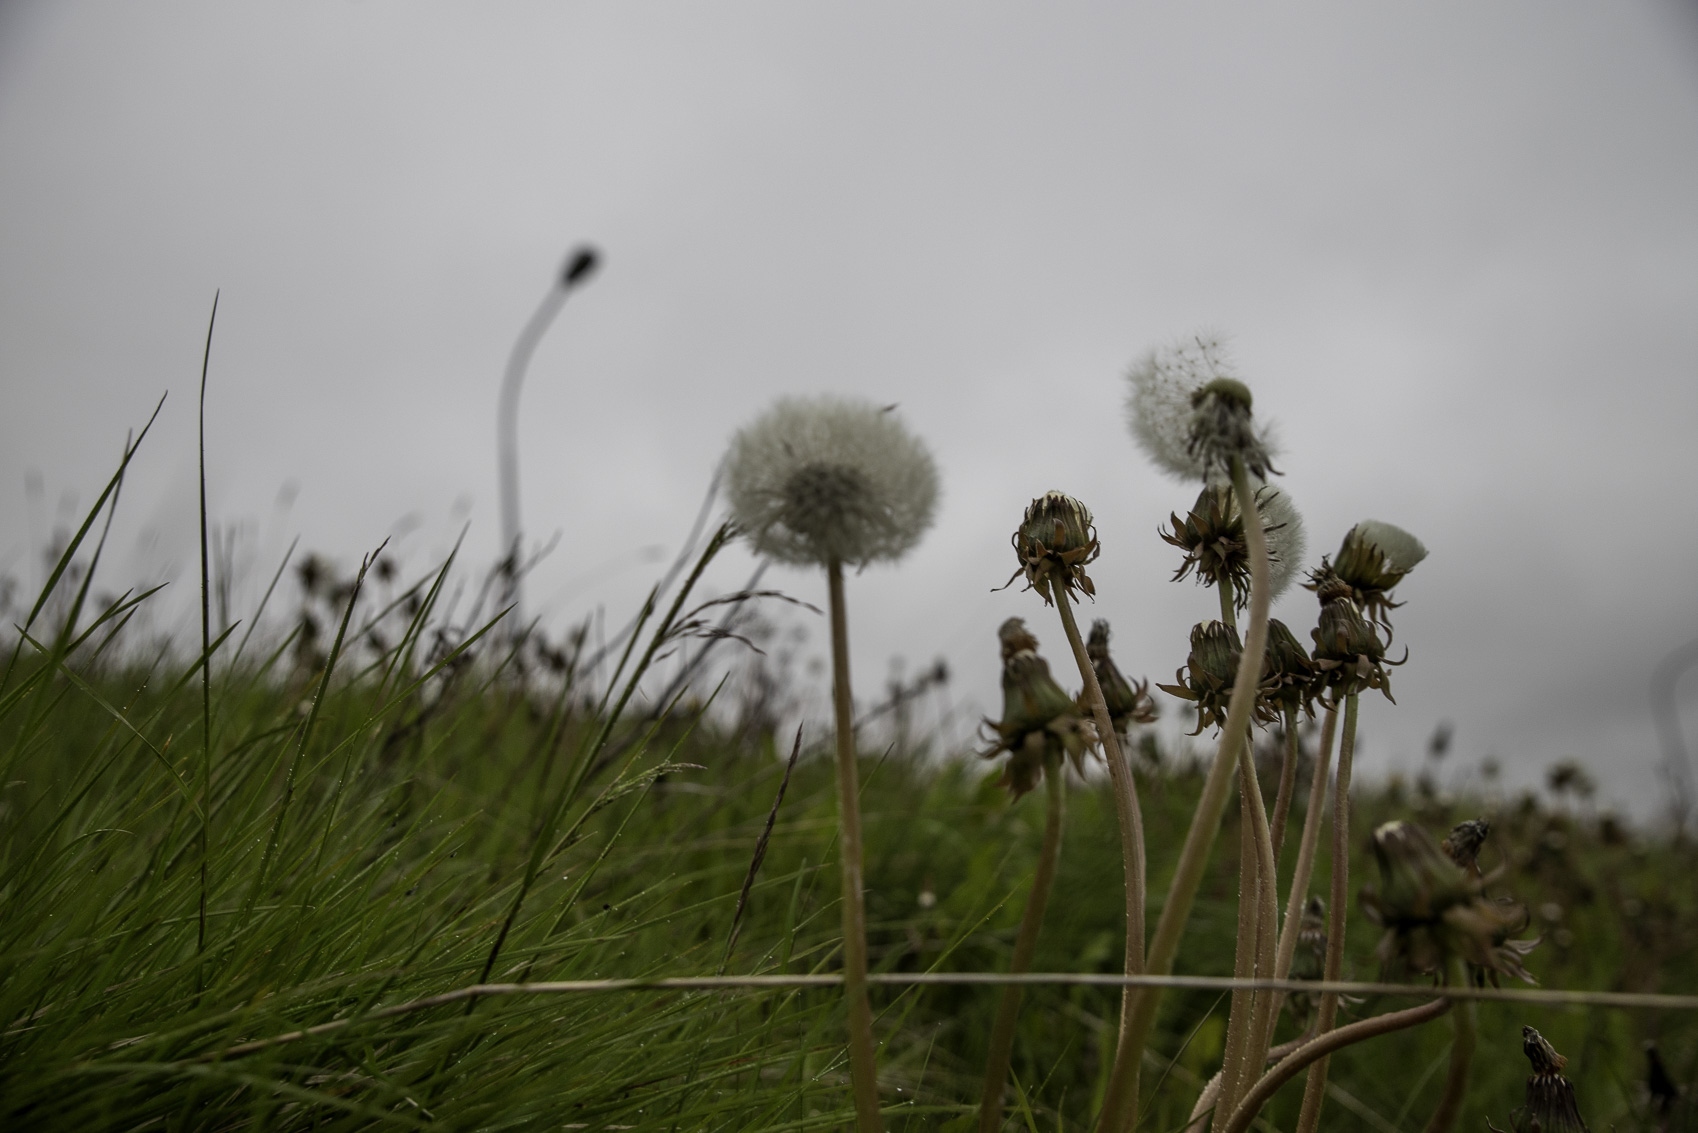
1401,549
1288,541
1161,405
823,478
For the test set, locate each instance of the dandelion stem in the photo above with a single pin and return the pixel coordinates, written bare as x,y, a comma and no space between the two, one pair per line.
1123,1077
1120,1106
1314,1093
1287,783
1312,820
863,1070
1461,1054
1025,946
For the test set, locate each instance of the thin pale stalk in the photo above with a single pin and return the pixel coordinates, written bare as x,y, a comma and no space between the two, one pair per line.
1305,854
1025,946
1120,1107
1244,953
1124,1073
1264,1014
1319,1047
863,1068
1314,1093
1461,1054
1287,784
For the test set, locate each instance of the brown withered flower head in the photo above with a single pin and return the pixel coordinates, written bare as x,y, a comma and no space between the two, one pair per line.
1127,703
1056,540
1550,1105
1431,910
1290,679
1222,428
1207,676
1373,558
1462,845
1348,650
1040,723
1216,549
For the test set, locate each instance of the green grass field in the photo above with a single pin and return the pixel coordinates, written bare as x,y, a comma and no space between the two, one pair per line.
376,795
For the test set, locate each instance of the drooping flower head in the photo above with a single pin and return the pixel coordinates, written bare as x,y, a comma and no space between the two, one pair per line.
1207,676
1040,723
1190,413
1055,541
1127,703
1308,959
1217,550
816,480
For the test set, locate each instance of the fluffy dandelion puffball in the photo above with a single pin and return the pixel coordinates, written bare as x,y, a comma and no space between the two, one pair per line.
820,479
1287,539
1161,404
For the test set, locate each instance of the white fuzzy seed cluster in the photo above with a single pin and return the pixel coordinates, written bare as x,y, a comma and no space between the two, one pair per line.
818,479
1160,410
1288,541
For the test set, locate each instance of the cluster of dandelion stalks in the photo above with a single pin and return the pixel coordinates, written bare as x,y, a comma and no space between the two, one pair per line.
831,482
252,883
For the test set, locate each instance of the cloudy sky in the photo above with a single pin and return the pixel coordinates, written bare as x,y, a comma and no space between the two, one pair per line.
1455,246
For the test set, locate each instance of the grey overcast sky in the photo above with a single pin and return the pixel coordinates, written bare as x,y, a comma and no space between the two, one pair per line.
1455,246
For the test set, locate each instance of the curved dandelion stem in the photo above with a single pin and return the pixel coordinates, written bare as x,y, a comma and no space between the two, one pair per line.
1322,1046
1123,1077
863,1068
1025,945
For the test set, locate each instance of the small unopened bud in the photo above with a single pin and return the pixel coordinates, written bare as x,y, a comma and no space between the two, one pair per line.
1054,542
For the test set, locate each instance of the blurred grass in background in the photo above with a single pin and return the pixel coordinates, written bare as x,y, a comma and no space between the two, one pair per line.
382,776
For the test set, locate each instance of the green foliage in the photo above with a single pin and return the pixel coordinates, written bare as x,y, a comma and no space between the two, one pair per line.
379,809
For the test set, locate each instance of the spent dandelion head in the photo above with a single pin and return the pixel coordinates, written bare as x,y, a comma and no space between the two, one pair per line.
1190,413
1040,723
818,480
1055,541
1216,549
1348,651
1290,679
1550,1106
1128,703
1207,675
1373,558
1432,910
